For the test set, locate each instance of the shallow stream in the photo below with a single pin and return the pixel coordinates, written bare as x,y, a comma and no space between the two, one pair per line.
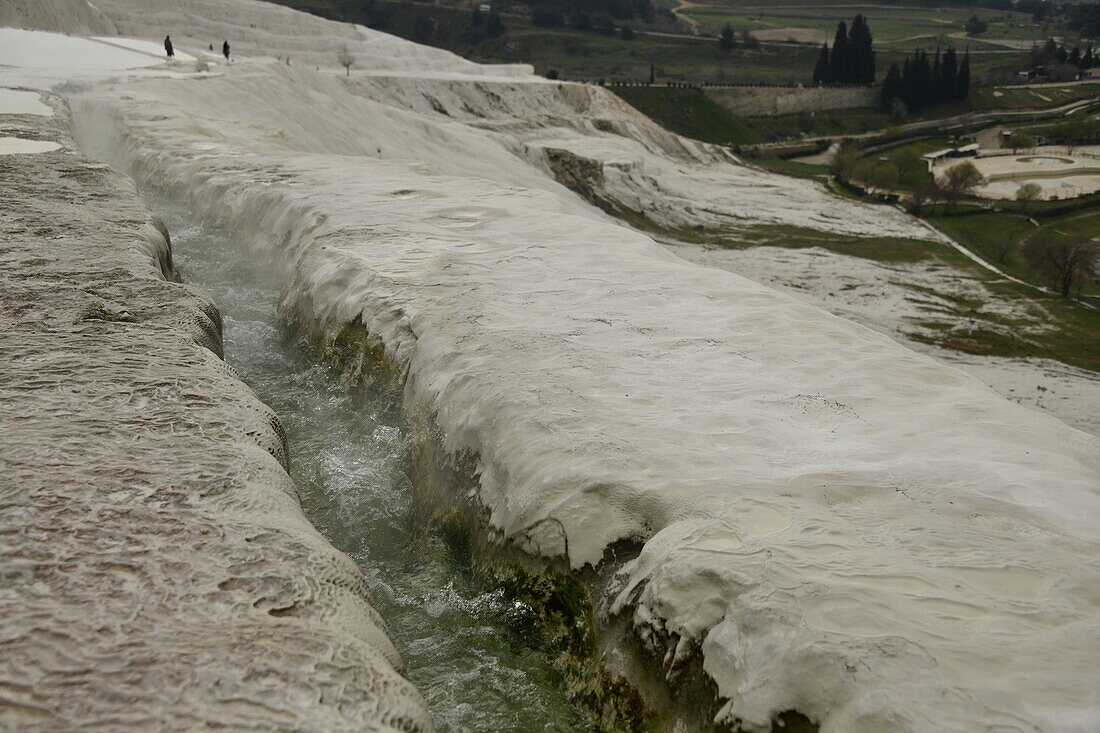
348,458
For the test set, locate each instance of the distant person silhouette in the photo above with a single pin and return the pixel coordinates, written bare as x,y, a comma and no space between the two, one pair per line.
225,50
168,46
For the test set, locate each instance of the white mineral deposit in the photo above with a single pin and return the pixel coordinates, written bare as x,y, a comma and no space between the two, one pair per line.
20,146
16,102
818,517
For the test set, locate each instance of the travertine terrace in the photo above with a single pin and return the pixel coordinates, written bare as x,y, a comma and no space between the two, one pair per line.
158,572
821,519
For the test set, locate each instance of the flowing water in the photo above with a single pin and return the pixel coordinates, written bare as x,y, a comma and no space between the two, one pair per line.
348,458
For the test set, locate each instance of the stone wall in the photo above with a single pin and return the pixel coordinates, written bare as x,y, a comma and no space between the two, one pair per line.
759,101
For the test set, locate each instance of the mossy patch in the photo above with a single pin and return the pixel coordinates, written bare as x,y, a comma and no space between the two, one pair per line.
880,249
562,614
552,611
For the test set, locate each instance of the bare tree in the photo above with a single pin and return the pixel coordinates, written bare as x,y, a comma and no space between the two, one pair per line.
345,58
923,194
1002,246
1066,260
898,108
1020,140
959,181
883,177
1075,133
844,160
1027,194
906,160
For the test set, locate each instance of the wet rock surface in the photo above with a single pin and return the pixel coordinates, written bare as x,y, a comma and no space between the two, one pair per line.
156,570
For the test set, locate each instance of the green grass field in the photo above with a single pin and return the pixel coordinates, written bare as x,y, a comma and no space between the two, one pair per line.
984,98
999,238
691,113
792,167
1043,326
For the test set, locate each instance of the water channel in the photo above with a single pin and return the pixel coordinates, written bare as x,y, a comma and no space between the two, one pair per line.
348,459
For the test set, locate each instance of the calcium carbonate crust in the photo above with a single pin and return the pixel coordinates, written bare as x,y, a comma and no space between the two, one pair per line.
830,522
158,571
839,526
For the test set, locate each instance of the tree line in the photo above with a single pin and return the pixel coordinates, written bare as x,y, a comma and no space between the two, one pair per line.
727,41
906,168
1054,53
1084,18
922,82
554,13
851,59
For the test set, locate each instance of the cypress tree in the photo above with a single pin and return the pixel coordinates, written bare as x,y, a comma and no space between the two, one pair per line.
907,85
921,83
923,94
494,27
937,86
861,48
1050,51
868,55
726,41
928,82
891,87
855,50
950,75
838,62
963,89
852,60
823,73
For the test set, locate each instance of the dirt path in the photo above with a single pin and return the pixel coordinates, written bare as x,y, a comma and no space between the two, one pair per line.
692,22
1018,44
970,118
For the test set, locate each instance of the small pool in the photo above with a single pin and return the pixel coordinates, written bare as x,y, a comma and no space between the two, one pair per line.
1065,186
1045,160
1010,185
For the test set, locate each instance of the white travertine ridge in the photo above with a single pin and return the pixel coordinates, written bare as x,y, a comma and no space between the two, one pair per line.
79,17
836,524
158,571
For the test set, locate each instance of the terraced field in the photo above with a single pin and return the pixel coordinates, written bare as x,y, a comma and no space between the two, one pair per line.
895,27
